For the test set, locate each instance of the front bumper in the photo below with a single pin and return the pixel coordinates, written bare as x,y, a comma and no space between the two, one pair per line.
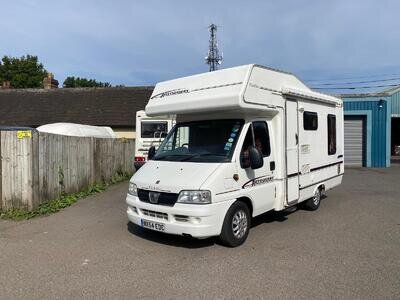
199,221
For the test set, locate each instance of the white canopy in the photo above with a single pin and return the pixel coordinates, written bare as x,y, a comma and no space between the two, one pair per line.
72,129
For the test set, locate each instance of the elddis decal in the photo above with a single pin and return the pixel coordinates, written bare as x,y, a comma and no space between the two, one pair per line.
170,93
257,181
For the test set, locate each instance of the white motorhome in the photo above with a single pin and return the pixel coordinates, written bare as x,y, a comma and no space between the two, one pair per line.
256,139
149,132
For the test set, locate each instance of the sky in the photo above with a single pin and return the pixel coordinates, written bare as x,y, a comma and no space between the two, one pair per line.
142,42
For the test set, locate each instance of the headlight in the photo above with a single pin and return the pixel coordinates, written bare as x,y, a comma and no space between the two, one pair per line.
194,197
132,190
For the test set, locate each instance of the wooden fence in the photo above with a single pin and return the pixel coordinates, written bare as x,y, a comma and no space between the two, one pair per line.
38,167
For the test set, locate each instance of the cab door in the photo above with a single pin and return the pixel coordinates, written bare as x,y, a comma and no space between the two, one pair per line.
258,184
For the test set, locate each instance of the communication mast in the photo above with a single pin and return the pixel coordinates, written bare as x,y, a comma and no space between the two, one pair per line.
213,58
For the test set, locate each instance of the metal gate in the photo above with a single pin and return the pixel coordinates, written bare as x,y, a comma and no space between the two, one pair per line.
354,141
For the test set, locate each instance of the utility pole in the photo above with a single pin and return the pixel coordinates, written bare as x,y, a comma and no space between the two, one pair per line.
213,58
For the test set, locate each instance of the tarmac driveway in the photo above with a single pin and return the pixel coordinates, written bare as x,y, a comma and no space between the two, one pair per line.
349,248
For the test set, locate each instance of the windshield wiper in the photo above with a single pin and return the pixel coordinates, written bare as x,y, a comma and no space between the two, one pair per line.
168,155
202,154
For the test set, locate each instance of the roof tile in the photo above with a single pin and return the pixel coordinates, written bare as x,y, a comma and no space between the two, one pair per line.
114,107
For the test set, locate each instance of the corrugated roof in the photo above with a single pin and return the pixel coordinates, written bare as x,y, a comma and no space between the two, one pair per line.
115,107
390,91
382,93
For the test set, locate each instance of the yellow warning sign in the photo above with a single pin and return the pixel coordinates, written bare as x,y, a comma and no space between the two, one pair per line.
21,134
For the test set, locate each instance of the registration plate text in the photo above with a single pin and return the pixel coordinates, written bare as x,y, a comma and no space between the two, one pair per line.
153,225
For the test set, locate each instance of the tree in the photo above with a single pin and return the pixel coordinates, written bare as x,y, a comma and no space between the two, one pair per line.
23,72
74,82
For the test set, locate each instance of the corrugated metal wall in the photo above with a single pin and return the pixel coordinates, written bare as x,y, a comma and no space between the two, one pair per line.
354,140
396,104
379,132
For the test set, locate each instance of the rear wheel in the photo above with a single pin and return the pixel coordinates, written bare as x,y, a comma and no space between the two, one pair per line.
236,225
314,202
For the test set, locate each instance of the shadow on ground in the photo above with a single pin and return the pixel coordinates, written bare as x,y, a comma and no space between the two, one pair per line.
170,239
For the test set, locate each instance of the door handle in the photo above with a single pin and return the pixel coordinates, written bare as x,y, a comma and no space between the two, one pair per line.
272,165
297,138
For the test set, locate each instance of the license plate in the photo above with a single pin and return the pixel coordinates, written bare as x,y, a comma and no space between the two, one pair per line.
153,225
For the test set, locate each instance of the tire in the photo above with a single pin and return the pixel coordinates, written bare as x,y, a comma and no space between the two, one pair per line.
314,202
236,226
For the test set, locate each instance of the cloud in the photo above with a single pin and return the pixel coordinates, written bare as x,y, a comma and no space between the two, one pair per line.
142,42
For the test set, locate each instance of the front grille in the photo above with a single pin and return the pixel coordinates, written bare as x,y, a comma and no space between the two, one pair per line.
167,199
154,214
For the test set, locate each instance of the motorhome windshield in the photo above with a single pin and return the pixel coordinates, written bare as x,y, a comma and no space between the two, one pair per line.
201,141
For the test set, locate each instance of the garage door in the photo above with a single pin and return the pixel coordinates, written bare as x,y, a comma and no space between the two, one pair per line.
353,141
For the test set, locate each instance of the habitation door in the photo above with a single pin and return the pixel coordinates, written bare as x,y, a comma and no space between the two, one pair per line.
292,152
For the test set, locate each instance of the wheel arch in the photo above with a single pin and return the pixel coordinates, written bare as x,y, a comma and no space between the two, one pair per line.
320,187
248,202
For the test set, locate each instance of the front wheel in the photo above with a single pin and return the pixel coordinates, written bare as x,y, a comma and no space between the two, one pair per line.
236,225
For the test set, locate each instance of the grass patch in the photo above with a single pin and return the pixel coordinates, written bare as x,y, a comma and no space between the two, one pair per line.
63,201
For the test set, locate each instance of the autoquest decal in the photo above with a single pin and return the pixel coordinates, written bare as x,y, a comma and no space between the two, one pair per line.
170,93
258,181
185,91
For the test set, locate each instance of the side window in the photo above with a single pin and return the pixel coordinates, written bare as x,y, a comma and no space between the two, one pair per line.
261,142
310,120
152,129
261,138
331,134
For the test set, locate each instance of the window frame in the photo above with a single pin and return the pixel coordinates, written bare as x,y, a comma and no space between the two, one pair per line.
310,113
330,117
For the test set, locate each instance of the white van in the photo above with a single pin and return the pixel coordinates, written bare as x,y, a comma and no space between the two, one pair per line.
256,139
149,132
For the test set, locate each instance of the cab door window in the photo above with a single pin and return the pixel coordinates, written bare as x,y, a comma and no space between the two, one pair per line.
258,136
261,138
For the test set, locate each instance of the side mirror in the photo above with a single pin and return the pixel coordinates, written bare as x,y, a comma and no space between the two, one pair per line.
151,153
256,158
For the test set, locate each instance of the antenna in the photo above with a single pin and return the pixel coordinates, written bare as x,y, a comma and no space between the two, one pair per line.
213,59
